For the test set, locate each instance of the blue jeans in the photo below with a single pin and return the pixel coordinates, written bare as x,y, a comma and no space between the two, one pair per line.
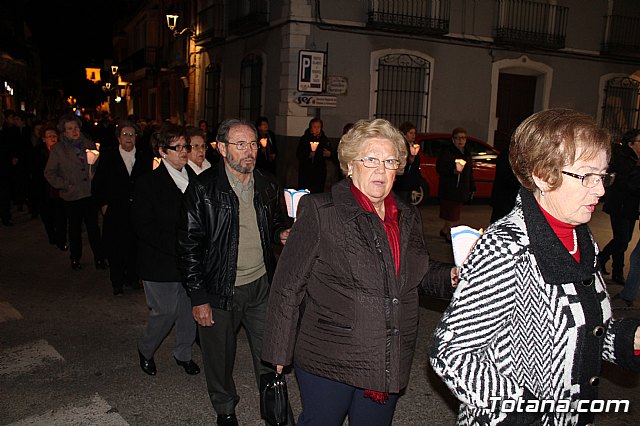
632,285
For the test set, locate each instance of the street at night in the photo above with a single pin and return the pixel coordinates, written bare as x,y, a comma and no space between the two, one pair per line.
68,347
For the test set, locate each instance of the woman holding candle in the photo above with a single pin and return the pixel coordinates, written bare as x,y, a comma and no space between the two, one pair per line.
267,150
69,171
410,180
456,183
343,307
313,150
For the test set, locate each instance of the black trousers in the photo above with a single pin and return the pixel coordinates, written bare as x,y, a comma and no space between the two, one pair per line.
78,211
54,217
218,343
120,242
622,229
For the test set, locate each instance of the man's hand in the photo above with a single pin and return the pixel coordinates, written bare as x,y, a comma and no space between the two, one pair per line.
284,235
203,315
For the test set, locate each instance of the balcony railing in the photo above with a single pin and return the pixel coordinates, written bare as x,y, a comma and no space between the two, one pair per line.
211,22
410,16
144,58
621,35
247,14
531,24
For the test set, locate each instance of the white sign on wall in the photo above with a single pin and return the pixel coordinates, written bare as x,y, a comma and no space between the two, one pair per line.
310,71
317,101
337,85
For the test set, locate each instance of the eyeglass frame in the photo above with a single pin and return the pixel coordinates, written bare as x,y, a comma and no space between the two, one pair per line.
179,147
602,177
253,145
376,162
204,146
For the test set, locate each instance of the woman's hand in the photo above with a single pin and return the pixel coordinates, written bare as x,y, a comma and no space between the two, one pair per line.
279,369
454,279
636,340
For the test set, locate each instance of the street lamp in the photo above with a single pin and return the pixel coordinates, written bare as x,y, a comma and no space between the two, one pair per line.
172,21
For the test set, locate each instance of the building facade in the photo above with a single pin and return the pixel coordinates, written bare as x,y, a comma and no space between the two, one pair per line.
481,64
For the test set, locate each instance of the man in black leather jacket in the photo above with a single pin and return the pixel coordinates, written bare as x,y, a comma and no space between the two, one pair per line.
231,215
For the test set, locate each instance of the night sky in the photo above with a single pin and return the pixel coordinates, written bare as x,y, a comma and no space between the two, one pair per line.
73,34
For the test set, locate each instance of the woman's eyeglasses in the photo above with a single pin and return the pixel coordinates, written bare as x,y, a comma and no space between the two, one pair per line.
198,146
372,163
179,148
590,180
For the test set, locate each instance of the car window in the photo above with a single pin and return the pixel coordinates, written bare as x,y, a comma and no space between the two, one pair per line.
432,147
481,153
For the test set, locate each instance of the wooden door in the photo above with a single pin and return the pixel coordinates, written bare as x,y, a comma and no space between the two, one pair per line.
516,98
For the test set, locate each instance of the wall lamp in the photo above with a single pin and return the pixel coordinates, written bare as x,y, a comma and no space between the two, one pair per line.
172,21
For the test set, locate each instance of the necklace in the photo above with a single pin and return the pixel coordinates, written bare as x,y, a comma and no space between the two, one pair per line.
575,244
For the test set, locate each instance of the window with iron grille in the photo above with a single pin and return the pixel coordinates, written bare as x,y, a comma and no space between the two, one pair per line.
212,94
621,108
402,92
251,87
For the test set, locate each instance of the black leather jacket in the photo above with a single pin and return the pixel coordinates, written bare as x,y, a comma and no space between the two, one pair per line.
208,233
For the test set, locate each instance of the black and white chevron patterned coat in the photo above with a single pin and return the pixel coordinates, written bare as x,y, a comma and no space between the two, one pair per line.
528,321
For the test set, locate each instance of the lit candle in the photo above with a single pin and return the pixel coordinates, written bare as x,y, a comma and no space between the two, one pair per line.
92,156
314,146
213,144
263,142
98,146
156,162
414,149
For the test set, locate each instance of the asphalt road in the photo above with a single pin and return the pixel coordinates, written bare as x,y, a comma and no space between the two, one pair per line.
68,347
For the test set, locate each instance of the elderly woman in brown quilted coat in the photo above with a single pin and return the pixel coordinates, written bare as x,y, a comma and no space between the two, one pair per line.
343,307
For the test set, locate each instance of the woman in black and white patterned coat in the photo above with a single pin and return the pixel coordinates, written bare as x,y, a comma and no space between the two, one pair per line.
531,319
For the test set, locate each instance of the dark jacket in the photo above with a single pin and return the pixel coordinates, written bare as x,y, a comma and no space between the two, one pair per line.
454,186
209,230
312,172
67,168
156,206
360,320
410,179
623,197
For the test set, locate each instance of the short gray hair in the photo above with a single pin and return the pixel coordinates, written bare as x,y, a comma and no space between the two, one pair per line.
352,142
228,124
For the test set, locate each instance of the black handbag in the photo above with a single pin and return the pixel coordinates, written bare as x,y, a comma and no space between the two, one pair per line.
274,398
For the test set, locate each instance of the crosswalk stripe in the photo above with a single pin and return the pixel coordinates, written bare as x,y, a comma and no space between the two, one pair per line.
24,358
99,412
8,312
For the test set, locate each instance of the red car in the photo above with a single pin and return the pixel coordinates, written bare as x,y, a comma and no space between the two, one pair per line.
484,165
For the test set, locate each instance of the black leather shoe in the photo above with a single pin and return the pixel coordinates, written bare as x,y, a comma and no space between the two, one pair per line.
147,365
75,265
227,420
190,367
101,264
627,302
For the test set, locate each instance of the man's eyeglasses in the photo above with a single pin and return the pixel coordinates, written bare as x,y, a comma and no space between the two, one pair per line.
179,148
372,163
590,180
198,146
241,146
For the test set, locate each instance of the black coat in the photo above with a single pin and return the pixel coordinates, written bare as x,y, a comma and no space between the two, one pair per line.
623,197
360,319
156,207
209,233
312,172
454,186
